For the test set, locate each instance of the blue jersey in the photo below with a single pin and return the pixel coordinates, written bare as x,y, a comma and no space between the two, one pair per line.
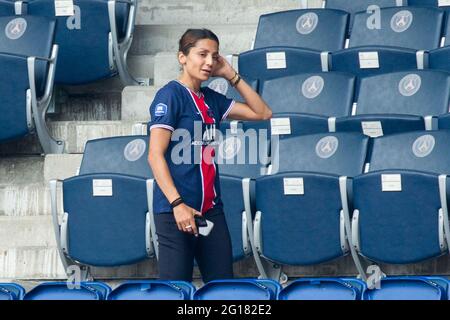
192,118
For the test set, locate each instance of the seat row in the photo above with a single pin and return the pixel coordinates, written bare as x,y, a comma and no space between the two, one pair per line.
393,288
316,198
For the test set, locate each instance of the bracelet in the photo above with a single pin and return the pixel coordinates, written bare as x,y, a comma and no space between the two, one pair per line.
236,82
235,75
176,202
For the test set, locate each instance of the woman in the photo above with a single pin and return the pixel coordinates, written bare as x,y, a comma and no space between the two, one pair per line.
188,188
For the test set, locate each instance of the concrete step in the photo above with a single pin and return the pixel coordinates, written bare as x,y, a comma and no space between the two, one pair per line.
74,133
171,12
150,40
136,101
19,170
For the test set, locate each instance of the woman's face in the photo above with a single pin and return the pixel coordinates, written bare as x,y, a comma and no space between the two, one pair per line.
201,60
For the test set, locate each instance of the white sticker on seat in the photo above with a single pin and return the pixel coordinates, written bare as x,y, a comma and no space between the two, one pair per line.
293,186
391,182
102,188
372,129
280,126
369,60
276,60
64,8
442,3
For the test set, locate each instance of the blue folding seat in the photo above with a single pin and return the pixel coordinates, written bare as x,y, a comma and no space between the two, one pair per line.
399,102
274,62
107,219
409,288
63,291
373,60
328,94
417,28
222,86
444,122
323,289
353,7
300,214
439,58
28,59
242,156
10,7
238,289
94,41
316,29
11,291
400,207
152,290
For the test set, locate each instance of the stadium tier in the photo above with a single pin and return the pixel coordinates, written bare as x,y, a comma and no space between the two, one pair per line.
349,175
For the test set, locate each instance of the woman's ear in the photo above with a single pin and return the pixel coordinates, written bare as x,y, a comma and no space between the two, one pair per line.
181,58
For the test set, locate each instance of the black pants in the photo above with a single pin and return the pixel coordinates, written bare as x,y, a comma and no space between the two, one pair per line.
178,249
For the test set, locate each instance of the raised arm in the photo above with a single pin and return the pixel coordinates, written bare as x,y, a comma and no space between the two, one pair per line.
254,107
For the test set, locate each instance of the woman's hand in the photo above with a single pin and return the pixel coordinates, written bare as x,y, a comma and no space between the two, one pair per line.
184,216
223,69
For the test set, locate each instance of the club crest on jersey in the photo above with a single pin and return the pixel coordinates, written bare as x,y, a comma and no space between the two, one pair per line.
160,110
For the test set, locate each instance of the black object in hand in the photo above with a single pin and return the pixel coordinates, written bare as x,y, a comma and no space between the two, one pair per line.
200,221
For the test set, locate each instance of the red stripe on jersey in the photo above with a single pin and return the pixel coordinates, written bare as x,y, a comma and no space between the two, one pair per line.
207,166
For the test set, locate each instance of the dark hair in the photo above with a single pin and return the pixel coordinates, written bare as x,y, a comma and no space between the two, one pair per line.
191,36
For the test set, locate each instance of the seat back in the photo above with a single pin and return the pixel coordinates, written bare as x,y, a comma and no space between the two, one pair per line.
238,289
116,201
419,150
316,29
326,93
16,113
322,289
274,62
11,291
409,27
120,155
421,92
29,36
244,149
152,290
353,7
222,86
85,52
61,291
372,60
331,153
407,288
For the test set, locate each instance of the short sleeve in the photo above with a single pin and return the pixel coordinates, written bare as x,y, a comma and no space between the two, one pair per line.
221,102
164,110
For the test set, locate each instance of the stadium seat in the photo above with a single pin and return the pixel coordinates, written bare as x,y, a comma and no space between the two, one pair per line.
316,29
63,291
11,291
353,7
152,290
107,220
275,62
323,289
373,60
409,27
300,215
409,288
222,86
389,226
444,122
10,7
242,157
399,102
327,94
94,41
439,58
28,58
238,289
